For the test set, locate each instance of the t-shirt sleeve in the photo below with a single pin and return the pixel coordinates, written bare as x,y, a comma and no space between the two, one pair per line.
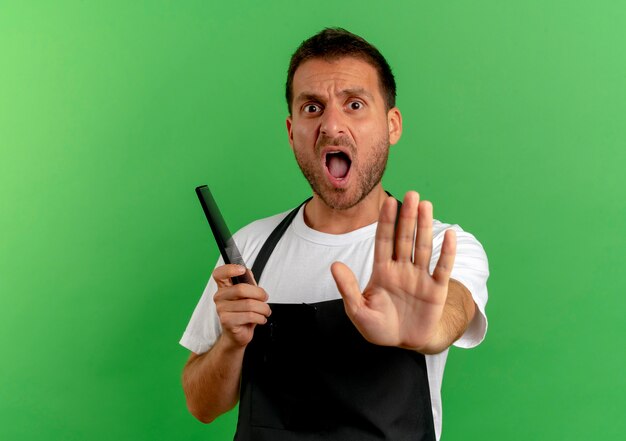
471,268
204,327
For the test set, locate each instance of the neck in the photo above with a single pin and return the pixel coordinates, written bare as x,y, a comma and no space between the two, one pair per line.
321,217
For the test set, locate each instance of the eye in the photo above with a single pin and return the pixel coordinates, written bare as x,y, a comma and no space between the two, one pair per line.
311,108
355,105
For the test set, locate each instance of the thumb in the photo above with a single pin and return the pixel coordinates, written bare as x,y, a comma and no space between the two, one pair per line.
348,287
249,278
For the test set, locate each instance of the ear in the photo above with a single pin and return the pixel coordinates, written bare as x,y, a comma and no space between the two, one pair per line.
394,123
289,123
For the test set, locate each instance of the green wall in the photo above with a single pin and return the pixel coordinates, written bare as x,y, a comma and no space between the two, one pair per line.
112,112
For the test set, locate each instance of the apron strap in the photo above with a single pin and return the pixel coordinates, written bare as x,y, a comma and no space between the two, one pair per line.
272,241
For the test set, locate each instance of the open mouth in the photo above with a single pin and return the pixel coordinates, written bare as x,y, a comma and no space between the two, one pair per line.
338,164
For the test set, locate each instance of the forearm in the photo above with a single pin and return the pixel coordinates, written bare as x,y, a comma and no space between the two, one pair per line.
458,312
211,380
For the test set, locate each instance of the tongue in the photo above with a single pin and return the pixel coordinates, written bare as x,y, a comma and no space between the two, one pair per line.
338,166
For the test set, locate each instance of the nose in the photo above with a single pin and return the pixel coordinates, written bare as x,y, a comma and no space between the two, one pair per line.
332,122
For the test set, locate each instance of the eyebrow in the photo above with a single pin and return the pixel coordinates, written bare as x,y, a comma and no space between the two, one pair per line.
354,91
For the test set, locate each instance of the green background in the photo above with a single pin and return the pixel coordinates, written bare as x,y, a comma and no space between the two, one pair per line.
112,112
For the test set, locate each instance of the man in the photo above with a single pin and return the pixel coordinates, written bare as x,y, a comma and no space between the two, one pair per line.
345,337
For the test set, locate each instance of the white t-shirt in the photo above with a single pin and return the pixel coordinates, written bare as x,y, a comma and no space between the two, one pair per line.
298,271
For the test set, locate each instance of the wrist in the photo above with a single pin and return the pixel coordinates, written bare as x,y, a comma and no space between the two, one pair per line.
229,345
437,344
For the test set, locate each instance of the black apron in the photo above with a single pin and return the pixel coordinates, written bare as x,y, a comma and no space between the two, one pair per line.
309,375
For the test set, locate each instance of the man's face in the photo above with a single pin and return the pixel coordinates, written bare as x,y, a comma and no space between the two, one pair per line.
340,130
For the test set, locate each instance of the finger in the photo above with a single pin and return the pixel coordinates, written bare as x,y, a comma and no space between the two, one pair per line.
240,291
405,230
233,319
223,274
383,250
244,305
442,271
424,236
348,287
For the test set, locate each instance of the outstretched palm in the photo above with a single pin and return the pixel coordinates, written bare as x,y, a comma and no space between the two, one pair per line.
402,304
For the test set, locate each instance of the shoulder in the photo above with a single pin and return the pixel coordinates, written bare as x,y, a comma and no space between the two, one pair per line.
463,238
260,227
471,266
251,238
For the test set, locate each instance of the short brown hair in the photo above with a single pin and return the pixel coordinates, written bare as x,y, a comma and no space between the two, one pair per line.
333,43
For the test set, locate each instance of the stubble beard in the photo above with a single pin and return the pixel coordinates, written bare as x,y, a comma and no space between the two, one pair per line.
367,176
